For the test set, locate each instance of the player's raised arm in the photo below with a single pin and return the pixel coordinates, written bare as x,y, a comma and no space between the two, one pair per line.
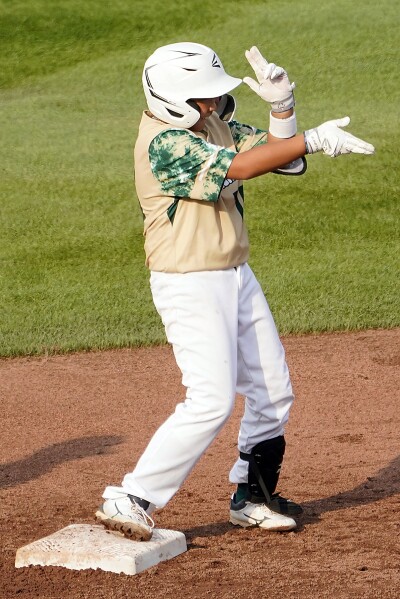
273,86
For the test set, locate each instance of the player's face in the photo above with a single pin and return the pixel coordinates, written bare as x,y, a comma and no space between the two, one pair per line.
206,106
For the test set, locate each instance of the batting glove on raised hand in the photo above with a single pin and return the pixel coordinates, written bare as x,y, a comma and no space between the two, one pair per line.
329,138
273,82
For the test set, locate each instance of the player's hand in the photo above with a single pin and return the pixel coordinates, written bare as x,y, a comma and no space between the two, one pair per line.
330,138
272,83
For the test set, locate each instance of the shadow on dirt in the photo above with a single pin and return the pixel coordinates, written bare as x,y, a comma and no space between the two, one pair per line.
384,483
44,460
207,530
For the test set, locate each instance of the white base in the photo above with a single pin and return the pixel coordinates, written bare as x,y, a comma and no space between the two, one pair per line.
84,546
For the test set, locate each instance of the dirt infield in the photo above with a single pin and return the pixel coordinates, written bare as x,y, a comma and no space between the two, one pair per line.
72,424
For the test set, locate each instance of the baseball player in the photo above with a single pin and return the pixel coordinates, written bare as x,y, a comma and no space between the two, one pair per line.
191,158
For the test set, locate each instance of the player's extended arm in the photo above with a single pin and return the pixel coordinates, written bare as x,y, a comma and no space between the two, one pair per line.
266,158
328,138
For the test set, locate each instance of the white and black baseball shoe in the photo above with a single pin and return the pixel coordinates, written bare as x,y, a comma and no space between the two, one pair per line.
245,513
122,513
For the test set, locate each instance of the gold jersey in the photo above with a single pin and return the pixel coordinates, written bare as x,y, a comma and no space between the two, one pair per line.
193,213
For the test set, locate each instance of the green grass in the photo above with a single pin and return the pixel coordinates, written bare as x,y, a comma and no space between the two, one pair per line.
325,246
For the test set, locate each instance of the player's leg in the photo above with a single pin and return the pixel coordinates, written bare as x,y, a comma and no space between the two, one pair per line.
263,378
199,312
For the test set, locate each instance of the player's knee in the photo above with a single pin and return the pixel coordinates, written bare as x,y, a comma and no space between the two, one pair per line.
214,409
221,408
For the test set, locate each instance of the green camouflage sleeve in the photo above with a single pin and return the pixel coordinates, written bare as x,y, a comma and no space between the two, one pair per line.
246,136
187,166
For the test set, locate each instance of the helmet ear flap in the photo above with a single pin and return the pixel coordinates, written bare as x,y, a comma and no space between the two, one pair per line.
193,104
226,108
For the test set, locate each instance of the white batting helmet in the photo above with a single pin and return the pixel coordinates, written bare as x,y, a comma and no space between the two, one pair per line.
178,72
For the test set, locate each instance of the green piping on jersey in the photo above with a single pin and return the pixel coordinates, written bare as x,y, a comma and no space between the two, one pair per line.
171,211
239,206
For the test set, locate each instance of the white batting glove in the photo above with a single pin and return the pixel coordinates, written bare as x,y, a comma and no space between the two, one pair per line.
329,138
273,82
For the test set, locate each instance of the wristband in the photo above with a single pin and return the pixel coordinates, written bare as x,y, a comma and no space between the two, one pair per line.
283,128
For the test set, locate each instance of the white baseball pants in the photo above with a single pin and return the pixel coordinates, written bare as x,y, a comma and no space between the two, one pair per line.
225,342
